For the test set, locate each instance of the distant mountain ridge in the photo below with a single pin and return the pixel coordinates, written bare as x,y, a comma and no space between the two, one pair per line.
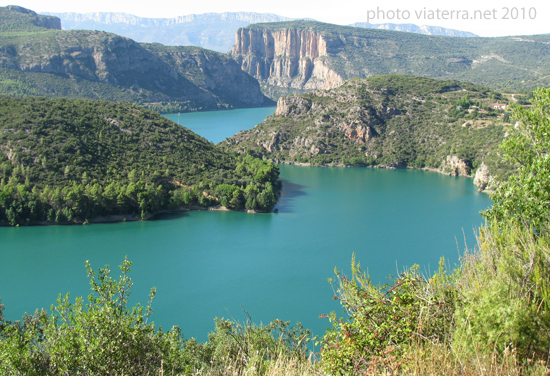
215,31
412,28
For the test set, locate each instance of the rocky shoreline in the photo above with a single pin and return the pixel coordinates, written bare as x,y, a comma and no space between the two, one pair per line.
482,179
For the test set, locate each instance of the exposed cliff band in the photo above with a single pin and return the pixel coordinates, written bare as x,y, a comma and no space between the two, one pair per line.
285,58
302,55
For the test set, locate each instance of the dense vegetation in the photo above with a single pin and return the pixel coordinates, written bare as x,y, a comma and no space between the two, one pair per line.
489,316
74,160
504,63
15,18
492,313
392,120
39,60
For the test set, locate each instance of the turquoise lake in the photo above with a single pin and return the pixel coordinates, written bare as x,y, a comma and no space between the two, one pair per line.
214,264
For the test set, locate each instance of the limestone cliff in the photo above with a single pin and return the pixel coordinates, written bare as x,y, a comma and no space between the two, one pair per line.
215,72
285,57
456,166
483,179
304,55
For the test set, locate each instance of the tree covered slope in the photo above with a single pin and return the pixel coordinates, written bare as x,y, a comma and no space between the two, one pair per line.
67,160
388,121
35,60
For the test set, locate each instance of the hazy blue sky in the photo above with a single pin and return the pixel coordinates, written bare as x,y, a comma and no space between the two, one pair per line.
523,17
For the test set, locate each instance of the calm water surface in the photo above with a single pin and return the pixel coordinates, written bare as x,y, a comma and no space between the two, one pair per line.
214,264
215,126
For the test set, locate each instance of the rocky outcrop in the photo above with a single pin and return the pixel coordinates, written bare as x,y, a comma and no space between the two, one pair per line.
214,72
456,166
483,179
286,57
28,16
293,105
358,131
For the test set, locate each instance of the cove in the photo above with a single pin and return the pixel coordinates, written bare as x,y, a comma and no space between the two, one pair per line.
214,264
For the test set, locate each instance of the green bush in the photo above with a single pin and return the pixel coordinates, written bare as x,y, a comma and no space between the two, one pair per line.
101,337
525,197
386,320
505,294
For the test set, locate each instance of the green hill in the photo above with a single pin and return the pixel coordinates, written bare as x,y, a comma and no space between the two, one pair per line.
15,18
389,121
35,60
67,160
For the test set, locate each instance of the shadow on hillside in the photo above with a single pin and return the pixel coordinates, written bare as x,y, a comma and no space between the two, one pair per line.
289,192
169,216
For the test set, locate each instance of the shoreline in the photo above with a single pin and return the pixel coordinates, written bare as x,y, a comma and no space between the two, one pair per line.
117,218
339,165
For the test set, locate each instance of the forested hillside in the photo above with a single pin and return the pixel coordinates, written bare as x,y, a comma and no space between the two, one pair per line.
74,160
35,60
388,121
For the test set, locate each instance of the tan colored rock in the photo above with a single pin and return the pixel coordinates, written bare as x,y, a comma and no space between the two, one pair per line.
285,58
457,166
483,178
292,105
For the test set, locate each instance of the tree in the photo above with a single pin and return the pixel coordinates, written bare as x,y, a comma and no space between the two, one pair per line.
102,337
525,197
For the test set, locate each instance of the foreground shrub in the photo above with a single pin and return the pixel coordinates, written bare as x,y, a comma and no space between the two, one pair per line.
107,337
505,290
384,321
102,337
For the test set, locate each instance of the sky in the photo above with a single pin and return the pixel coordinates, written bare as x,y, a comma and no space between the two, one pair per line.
487,18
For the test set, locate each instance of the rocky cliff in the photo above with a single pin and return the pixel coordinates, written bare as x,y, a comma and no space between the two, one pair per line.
100,65
212,71
305,55
387,121
285,57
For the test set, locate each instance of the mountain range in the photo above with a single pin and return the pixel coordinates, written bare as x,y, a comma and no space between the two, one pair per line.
214,31
412,28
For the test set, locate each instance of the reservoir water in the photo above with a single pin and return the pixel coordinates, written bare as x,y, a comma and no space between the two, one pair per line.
214,264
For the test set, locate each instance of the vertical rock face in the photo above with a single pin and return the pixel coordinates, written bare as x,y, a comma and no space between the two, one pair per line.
456,166
483,179
285,57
